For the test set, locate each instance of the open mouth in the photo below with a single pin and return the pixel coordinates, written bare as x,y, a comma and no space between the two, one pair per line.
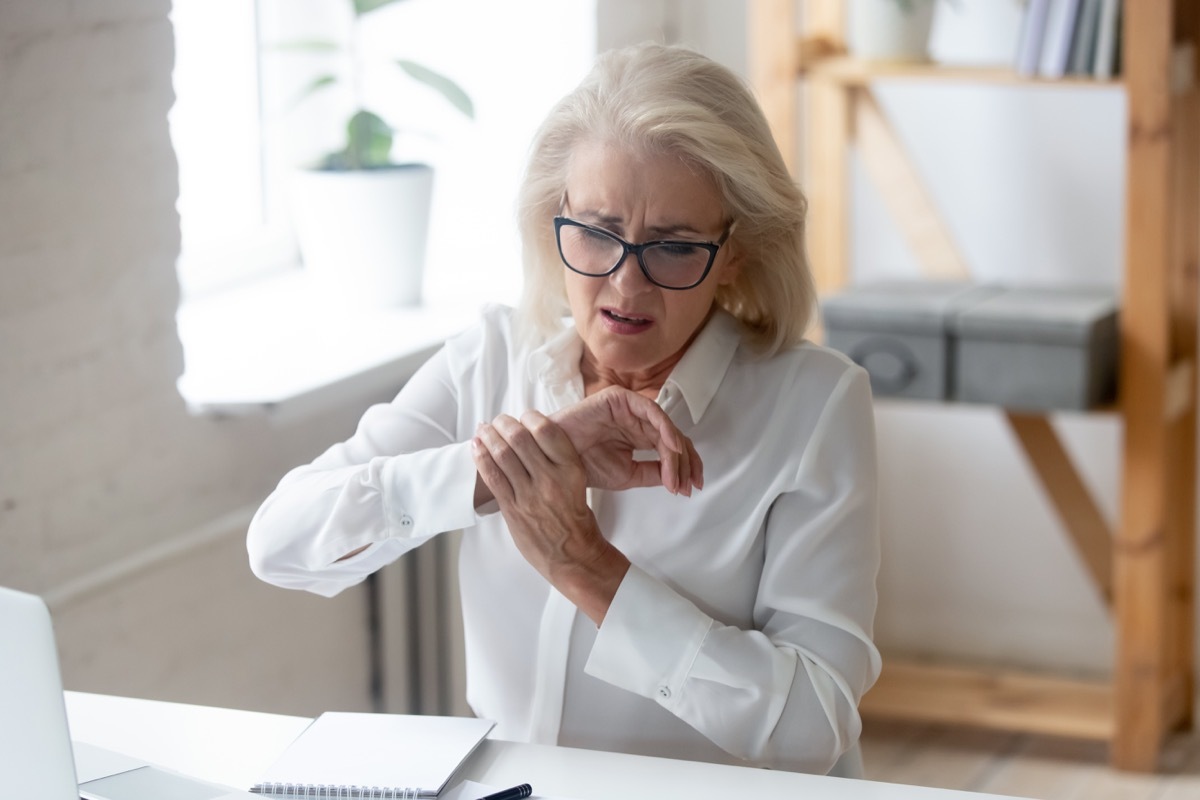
610,314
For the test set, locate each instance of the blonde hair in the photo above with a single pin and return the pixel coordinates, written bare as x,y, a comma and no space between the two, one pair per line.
662,98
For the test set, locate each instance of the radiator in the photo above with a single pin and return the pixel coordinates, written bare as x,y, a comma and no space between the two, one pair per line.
418,656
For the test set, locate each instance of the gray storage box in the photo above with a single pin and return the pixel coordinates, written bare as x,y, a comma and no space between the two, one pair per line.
1037,349
897,331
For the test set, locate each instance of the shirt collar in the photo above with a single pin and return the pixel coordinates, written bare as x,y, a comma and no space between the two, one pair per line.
696,377
555,364
699,373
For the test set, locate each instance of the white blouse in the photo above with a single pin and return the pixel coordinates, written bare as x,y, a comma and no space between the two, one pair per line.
742,632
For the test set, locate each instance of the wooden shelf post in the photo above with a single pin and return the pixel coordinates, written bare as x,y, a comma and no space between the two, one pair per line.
1153,598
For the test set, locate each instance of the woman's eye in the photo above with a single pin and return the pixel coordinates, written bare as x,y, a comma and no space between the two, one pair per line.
680,250
595,235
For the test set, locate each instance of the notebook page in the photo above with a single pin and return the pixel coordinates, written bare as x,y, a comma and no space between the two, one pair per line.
386,750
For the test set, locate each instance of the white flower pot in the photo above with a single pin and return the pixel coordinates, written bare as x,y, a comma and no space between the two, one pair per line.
362,233
890,30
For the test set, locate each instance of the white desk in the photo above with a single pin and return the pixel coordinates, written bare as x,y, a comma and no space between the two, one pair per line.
235,748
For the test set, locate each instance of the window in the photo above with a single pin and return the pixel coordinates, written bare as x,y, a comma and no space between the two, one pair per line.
239,132
230,223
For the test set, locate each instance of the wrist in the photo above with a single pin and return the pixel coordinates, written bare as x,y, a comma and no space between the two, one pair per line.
483,495
592,582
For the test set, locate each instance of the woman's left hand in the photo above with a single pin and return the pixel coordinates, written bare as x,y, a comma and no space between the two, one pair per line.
540,484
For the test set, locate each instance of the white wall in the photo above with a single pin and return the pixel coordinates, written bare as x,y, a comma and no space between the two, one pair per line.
101,464
976,565
102,467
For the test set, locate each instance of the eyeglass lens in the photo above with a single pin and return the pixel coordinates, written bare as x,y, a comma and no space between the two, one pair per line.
670,264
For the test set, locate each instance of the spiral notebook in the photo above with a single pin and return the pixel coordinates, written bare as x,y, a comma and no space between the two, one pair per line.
349,754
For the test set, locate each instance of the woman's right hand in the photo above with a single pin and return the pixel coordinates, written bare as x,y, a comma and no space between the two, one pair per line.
607,427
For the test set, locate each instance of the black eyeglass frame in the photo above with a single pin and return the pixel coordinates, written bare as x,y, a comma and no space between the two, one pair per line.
712,247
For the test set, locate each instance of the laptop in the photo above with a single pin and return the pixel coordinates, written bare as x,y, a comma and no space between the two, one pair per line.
38,761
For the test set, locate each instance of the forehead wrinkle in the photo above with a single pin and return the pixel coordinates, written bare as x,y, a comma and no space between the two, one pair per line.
622,203
617,223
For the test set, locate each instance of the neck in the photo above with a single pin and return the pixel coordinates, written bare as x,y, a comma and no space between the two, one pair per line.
647,383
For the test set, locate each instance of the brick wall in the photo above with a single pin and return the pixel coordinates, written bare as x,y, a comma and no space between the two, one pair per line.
99,460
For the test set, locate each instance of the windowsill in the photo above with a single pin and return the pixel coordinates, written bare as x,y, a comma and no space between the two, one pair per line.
275,347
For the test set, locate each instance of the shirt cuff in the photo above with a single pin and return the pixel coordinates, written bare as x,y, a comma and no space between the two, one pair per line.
649,639
429,492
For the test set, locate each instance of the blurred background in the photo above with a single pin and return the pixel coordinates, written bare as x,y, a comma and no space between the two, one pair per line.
145,155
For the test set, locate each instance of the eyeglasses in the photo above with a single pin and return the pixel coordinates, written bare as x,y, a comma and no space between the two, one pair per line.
596,252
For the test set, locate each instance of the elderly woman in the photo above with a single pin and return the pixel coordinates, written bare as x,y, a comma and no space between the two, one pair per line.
670,542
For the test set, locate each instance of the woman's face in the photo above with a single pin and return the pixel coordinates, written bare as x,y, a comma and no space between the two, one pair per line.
631,327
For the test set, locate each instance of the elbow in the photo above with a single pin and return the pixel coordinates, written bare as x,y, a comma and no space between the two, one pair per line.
822,749
276,558
837,745
262,554
266,551
819,727
818,753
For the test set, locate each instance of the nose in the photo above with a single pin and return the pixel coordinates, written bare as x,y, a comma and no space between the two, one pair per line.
629,279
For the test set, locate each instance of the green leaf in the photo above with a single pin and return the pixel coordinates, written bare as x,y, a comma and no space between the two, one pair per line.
366,6
315,85
443,85
368,141
306,46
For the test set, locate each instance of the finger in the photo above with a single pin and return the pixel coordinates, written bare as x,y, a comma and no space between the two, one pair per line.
522,443
506,457
684,471
668,468
676,455
645,474
552,440
493,477
662,428
697,465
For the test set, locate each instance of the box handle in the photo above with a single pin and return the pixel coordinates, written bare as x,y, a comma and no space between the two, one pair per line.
891,365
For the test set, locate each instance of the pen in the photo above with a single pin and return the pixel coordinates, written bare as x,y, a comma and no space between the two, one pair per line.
515,793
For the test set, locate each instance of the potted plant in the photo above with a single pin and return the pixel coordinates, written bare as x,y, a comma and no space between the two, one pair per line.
362,219
890,30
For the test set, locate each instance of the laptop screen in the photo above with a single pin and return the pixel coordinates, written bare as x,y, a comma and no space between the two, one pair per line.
36,761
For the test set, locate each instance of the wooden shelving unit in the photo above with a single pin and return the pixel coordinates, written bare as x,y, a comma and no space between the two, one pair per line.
1145,568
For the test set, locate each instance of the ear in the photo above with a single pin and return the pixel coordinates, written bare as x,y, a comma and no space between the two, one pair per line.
730,268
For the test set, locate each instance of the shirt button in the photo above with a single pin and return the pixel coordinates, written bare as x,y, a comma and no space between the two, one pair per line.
406,521
664,692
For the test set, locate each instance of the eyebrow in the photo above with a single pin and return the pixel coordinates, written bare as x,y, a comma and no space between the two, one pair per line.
655,231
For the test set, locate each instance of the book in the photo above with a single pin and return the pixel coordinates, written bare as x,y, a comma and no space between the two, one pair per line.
1083,43
1033,34
352,754
1060,30
1104,65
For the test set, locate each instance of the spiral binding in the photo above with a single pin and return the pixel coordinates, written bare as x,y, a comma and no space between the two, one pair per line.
305,791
